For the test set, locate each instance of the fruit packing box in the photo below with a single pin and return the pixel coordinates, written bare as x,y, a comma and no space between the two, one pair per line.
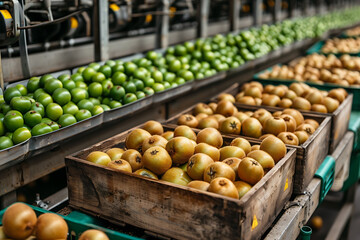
339,118
173,210
78,223
325,86
309,155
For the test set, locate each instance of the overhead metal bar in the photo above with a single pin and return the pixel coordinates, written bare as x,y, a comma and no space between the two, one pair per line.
257,6
277,11
203,18
101,29
234,14
162,25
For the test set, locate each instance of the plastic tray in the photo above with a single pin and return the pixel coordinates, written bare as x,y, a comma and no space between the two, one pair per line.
326,173
325,86
42,143
316,48
127,109
79,223
173,92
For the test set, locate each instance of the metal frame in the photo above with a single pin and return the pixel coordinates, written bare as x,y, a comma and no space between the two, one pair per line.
101,29
203,18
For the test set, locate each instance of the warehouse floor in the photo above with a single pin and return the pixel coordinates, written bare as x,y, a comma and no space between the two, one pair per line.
354,232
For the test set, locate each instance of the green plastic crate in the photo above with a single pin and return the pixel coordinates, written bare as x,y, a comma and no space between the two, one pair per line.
316,48
79,222
326,86
354,126
326,173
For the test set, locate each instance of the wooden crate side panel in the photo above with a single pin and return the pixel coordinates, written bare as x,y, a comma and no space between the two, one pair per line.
343,151
265,205
340,122
163,208
314,154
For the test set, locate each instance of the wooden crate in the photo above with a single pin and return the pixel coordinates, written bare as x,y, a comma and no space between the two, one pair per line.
172,210
309,155
339,119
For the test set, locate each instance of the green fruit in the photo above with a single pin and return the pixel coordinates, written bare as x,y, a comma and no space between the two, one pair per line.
21,135
95,89
187,75
190,47
110,63
141,73
5,108
85,104
2,99
95,66
167,85
180,80
32,118
21,104
106,70
130,97
38,107
117,92
2,127
105,107
98,77
40,129
119,78
175,65
157,76
44,79
130,67
95,101
61,96
97,110
106,87
151,55
82,115
70,108
158,87
53,111
44,99
169,77
5,142
78,94
82,85
22,89
130,87
54,126
149,82
138,84
33,84
38,92
10,93
13,121
67,120
69,84
77,77
52,84
64,77
140,94
88,73
174,84
114,104
118,68
180,50
106,101
48,121
9,135
148,91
